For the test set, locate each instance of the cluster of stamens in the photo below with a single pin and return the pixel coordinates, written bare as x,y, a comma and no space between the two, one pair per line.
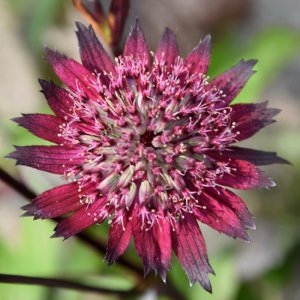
144,136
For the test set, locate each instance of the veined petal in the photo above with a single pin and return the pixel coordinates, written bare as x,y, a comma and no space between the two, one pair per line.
59,100
73,74
219,216
189,246
167,50
43,126
119,237
235,203
53,159
257,157
250,118
244,176
153,243
136,45
232,81
198,60
83,218
92,53
58,201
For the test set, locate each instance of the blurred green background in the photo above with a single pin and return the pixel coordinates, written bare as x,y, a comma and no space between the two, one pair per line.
267,30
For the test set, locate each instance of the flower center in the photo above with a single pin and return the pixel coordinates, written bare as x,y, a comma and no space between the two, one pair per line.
147,138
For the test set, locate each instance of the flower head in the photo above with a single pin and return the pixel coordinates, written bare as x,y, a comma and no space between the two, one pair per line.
147,143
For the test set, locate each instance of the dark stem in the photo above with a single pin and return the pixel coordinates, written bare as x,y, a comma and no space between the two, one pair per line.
62,283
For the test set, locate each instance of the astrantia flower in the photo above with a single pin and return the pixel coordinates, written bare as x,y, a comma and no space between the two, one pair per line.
146,142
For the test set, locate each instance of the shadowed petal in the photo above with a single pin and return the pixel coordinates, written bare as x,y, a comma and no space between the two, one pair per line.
119,238
234,202
92,53
59,100
58,201
232,81
250,118
136,45
153,244
73,74
83,218
244,176
167,50
53,159
257,157
189,246
198,60
43,126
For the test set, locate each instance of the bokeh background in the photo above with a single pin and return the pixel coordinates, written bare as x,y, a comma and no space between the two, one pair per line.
268,30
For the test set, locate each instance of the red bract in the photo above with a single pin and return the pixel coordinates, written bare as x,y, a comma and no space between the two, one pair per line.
146,142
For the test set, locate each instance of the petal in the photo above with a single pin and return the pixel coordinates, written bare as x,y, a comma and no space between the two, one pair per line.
83,218
198,60
119,238
250,118
219,216
257,157
235,203
189,246
74,75
136,45
232,81
53,159
59,100
92,53
244,175
58,201
153,243
167,50
43,126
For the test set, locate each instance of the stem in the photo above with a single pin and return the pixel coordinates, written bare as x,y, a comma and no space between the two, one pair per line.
61,283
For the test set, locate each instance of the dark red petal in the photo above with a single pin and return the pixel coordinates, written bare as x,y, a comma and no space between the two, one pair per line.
92,53
136,45
43,126
232,81
189,246
219,216
58,201
244,175
53,159
235,203
198,60
119,238
257,157
83,218
167,50
59,100
73,74
153,244
250,118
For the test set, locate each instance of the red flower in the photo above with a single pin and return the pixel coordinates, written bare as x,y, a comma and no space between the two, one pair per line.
147,144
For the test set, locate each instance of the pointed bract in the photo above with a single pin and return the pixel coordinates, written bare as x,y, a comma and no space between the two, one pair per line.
232,81
53,159
92,53
167,50
136,45
198,60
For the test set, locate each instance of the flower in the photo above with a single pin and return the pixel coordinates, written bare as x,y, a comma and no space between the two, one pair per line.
146,143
